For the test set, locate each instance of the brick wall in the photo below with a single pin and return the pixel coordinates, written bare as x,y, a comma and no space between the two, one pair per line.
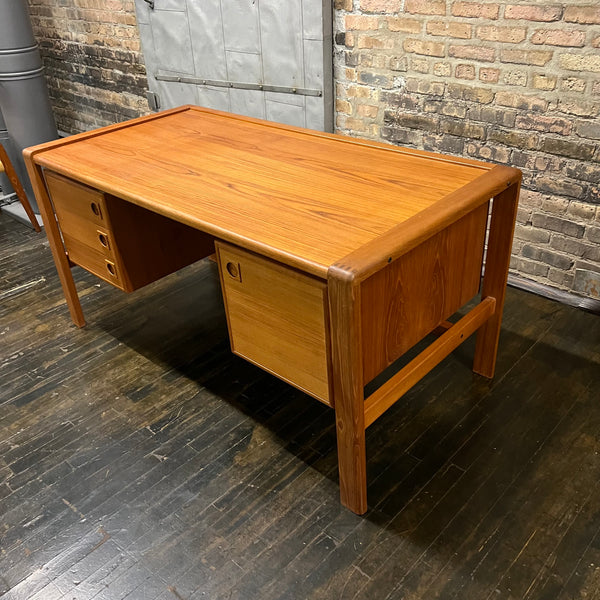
94,67
513,83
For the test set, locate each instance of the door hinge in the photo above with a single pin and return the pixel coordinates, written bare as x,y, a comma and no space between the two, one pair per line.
153,100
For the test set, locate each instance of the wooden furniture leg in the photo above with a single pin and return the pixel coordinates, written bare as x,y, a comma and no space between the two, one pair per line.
63,266
348,389
16,183
502,226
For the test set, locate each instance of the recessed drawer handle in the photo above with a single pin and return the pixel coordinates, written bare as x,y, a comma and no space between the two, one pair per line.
234,270
103,240
96,209
110,267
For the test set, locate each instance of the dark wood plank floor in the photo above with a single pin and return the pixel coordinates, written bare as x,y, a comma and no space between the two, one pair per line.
139,459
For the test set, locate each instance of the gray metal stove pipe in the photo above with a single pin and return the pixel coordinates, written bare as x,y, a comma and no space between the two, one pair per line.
6,143
24,100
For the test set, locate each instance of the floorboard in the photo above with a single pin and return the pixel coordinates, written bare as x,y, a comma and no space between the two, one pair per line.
141,460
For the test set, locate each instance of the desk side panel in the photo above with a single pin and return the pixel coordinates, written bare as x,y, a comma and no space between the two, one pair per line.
409,298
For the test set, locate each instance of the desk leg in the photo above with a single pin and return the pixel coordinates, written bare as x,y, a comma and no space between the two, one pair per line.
56,245
348,398
502,226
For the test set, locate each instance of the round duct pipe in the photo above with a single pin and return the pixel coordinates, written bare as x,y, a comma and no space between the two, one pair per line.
24,100
5,186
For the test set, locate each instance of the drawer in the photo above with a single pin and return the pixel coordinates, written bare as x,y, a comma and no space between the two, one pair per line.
277,318
96,261
124,244
75,203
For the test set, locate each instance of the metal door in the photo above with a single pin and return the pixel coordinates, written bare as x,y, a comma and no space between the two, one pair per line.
270,59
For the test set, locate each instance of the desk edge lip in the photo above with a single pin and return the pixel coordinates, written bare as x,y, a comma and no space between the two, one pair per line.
400,239
384,146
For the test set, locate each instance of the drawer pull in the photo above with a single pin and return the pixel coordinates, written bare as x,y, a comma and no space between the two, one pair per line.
234,270
110,267
103,238
96,209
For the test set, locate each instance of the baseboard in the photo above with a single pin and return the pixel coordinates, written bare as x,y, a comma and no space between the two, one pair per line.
589,304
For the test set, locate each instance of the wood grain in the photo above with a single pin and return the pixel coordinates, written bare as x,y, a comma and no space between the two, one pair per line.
348,383
63,266
277,319
407,235
409,298
305,199
149,246
120,242
191,460
380,400
7,166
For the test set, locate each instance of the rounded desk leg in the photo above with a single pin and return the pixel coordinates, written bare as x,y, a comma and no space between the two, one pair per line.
63,266
502,224
348,391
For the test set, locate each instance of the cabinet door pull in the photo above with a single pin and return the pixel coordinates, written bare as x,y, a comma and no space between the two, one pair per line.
234,270
110,267
103,238
96,209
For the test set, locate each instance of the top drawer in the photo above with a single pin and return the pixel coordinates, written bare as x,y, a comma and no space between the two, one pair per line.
74,202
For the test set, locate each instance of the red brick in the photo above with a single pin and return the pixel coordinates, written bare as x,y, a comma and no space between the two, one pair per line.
511,35
544,124
425,7
367,110
419,65
464,71
361,23
381,6
558,37
526,57
442,69
544,82
368,41
533,13
582,14
573,84
521,101
424,47
580,62
449,29
404,24
343,106
469,93
473,52
475,10
489,75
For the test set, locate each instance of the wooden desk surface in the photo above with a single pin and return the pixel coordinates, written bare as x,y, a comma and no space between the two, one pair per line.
305,198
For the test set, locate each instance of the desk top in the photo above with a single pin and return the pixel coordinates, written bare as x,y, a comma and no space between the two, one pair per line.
306,198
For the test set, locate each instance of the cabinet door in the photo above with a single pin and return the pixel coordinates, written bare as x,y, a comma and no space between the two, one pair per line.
277,319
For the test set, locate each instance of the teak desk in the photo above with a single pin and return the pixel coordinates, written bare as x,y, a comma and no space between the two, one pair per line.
336,255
